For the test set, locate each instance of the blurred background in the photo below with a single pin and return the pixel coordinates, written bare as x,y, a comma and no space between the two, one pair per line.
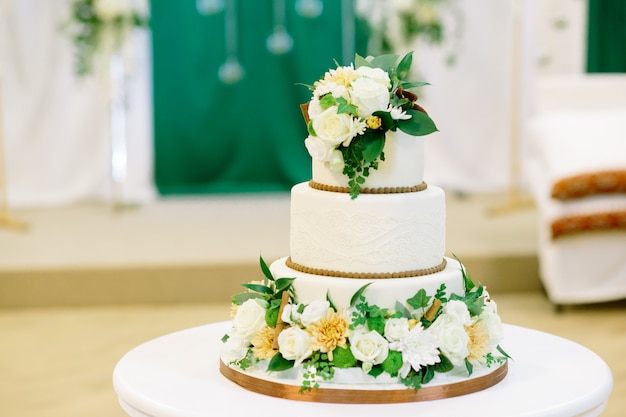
147,150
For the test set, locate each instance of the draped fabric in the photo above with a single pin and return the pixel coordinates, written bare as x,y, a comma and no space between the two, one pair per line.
606,37
215,137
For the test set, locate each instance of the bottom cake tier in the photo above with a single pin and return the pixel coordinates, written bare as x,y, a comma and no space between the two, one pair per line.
328,339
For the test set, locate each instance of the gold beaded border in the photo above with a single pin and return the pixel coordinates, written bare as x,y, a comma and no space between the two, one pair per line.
380,190
365,275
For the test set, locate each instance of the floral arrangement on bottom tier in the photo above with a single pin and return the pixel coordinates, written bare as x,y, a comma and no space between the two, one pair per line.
425,335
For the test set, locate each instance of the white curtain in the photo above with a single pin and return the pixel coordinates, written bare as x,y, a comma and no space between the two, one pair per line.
56,125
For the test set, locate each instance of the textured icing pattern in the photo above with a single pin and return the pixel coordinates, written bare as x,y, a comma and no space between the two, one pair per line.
371,234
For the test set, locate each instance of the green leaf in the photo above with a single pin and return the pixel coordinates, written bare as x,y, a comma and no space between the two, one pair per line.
345,107
359,61
330,301
444,364
357,295
419,300
271,316
469,367
506,355
278,363
404,67
384,62
428,374
373,145
283,284
241,298
387,121
376,370
265,269
328,101
402,310
467,281
408,85
258,288
309,128
419,124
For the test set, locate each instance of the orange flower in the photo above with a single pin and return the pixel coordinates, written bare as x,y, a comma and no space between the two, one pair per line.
263,343
329,332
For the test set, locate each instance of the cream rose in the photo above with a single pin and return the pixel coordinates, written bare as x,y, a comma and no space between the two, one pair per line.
458,312
336,162
295,344
493,323
319,149
376,74
369,96
236,346
333,128
249,319
315,311
290,314
369,347
396,329
452,339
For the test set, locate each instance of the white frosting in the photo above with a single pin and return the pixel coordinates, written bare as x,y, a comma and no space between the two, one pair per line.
374,233
403,165
382,292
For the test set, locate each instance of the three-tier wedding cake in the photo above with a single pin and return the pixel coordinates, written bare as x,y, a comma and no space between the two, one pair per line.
366,307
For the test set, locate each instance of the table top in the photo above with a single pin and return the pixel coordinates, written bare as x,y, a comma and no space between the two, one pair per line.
177,375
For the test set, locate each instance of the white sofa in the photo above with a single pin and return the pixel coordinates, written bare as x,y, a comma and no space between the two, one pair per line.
575,164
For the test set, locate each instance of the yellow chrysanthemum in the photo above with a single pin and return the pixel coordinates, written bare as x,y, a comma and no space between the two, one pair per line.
373,122
341,76
263,343
329,332
478,342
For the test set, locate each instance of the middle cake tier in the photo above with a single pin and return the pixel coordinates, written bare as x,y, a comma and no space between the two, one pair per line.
374,235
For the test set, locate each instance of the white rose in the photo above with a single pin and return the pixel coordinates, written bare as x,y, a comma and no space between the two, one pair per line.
396,329
369,347
493,323
336,162
315,108
319,149
376,74
333,128
249,319
294,344
290,314
458,312
369,96
452,339
236,346
314,312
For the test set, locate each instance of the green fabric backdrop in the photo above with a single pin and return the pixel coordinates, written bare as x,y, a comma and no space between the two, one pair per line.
212,137
606,36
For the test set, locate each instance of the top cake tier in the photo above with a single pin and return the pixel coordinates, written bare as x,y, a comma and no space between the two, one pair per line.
402,169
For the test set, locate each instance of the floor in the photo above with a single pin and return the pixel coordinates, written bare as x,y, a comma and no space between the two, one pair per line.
72,305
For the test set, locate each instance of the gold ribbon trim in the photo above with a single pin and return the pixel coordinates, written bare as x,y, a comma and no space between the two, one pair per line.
365,275
381,190
364,396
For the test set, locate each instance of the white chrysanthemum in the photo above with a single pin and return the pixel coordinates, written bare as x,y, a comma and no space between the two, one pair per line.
419,348
397,113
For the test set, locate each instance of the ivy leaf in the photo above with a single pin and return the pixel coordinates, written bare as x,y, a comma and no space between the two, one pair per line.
278,363
265,269
328,101
419,300
419,124
271,316
345,107
357,295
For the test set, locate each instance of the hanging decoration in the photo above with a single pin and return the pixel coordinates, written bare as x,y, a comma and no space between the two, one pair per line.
395,25
280,41
209,7
99,30
231,71
309,8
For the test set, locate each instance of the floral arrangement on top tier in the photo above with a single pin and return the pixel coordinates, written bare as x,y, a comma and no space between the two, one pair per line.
425,335
353,107
102,25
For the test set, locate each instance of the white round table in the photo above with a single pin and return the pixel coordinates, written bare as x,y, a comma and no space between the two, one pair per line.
177,375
